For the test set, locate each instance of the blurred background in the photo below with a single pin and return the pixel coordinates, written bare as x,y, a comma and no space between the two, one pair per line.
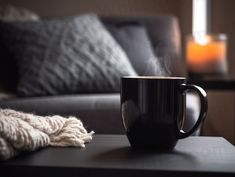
221,19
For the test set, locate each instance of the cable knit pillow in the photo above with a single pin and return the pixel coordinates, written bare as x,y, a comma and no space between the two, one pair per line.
72,55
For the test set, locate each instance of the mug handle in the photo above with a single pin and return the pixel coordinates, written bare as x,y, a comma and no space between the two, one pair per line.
203,111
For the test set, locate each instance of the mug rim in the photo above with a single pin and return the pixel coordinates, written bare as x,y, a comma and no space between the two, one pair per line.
153,77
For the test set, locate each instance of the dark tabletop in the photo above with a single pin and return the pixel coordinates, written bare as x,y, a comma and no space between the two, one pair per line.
110,155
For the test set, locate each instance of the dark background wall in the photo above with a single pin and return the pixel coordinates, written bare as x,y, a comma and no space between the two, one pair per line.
223,20
104,7
55,8
221,117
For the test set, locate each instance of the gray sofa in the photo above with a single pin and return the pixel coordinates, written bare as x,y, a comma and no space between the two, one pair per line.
101,112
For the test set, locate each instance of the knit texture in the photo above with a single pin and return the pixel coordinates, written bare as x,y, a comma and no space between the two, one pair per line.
65,56
27,132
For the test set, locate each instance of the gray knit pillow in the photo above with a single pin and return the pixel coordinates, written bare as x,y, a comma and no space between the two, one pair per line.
72,55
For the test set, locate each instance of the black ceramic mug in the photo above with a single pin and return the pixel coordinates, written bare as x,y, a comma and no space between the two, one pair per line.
153,110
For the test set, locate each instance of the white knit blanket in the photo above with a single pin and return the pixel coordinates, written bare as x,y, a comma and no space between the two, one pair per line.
27,132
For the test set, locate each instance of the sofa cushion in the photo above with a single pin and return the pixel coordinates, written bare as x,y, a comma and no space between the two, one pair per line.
164,34
65,56
99,112
134,39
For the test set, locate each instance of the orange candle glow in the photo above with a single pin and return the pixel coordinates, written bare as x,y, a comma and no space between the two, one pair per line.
207,54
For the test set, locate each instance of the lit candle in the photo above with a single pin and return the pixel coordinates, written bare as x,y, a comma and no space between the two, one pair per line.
207,54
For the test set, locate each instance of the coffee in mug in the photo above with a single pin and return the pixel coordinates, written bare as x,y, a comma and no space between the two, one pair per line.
153,109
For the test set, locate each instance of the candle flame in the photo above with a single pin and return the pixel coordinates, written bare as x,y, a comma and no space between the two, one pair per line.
201,39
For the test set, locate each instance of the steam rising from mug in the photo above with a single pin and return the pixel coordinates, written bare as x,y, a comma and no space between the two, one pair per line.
158,65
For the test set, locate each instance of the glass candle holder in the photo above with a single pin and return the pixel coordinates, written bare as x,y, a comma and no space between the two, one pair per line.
207,55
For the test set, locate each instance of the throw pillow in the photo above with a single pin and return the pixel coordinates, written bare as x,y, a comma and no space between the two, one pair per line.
12,13
65,56
134,39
